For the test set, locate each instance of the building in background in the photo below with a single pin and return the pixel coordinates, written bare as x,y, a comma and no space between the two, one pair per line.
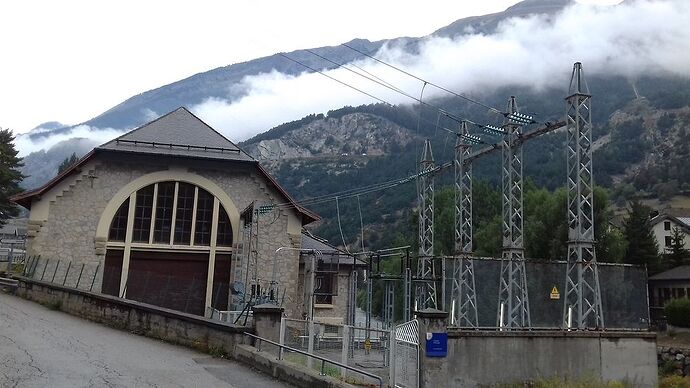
666,286
663,225
335,276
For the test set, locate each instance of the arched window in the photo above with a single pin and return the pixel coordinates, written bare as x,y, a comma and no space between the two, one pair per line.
172,213
162,250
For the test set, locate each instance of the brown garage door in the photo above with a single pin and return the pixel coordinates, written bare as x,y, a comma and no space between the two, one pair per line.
173,280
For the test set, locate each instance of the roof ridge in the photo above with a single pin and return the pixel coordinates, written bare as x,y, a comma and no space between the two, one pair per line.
144,125
209,127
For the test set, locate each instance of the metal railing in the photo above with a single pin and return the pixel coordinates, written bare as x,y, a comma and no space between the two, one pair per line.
322,359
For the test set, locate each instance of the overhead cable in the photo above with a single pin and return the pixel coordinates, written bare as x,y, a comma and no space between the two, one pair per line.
462,96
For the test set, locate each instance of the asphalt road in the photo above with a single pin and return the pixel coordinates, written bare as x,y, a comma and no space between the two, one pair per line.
44,348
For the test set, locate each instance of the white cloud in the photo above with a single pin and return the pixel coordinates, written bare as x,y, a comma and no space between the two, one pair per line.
25,145
634,38
631,39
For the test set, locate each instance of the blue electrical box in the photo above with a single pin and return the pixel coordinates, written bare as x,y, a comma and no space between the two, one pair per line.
436,344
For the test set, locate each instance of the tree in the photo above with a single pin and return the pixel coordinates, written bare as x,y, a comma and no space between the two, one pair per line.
642,247
10,176
68,162
678,255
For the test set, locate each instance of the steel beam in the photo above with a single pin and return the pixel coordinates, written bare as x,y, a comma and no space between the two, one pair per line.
463,290
513,298
582,303
426,289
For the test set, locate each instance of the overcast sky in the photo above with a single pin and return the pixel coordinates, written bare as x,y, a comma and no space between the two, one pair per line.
70,60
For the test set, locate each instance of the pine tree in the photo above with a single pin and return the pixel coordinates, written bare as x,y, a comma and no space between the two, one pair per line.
10,176
68,162
678,255
642,247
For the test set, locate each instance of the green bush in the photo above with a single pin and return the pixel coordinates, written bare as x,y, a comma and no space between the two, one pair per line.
678,312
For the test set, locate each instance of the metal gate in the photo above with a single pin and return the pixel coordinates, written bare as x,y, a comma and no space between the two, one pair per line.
405,368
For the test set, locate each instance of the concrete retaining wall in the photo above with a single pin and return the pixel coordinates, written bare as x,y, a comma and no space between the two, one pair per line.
490,357
179,328
140,318
268,363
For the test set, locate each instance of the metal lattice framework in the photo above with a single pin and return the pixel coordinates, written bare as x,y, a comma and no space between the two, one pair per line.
426,274
513,299
389,304
582,303
463,292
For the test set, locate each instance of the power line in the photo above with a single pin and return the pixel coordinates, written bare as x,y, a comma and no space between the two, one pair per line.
358,191
400,181
462,96
384,84
440,110
334,79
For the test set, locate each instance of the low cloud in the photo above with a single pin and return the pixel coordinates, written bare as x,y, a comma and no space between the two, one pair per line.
631,39
25,145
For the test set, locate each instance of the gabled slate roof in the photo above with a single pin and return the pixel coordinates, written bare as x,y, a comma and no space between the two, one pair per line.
178,133
682,222
678,273
329,253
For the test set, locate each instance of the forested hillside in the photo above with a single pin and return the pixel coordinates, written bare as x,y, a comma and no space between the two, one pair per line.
641,148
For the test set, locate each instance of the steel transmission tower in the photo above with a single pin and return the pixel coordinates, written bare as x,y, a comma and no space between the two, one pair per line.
582,303
513,299
463,294
426,274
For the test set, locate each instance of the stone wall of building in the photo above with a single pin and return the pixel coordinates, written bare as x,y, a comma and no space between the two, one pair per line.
336,311
65,230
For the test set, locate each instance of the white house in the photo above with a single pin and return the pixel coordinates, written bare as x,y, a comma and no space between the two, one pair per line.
662,227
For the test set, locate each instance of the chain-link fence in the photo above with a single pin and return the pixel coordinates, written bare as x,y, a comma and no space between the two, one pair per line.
623,293
181,291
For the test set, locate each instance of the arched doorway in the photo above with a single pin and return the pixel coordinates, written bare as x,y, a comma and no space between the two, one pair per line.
169,244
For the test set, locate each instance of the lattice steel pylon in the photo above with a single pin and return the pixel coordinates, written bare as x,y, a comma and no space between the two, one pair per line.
463,291
513,299
426,273
582,303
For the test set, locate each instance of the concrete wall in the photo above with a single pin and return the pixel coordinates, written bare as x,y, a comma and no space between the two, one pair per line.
63,223
168,325
179,328
490,357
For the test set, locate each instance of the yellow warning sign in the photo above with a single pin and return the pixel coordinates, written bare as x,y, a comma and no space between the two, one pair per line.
554,293
367,344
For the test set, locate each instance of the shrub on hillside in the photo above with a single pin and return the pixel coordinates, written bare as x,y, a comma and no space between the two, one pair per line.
678,312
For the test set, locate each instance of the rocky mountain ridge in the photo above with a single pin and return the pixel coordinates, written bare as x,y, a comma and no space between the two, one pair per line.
351,134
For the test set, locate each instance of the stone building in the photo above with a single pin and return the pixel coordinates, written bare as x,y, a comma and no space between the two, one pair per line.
334,284
173,214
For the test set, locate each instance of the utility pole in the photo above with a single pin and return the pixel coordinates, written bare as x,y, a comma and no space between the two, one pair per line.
582,303
513,299
463,292
426,274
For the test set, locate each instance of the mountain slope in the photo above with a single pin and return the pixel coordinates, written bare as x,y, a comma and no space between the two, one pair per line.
223,82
